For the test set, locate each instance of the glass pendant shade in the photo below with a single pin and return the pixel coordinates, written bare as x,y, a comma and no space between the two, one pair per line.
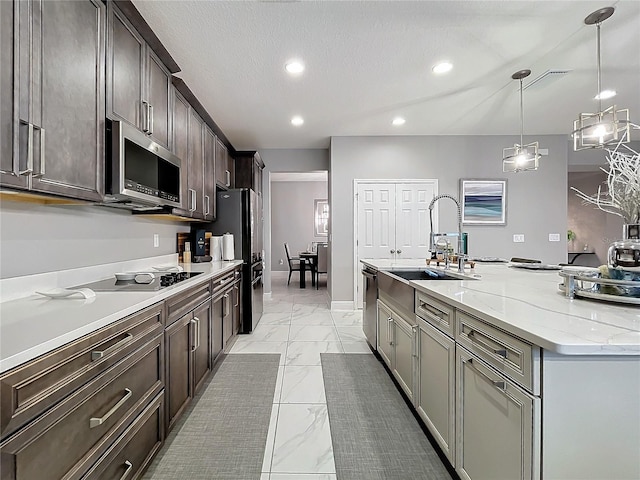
520,158
606,127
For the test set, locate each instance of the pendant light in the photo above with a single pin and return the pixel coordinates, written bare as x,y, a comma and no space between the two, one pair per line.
606,127
520,157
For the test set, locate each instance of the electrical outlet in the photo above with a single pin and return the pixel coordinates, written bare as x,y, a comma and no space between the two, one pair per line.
156,240
518,238
554,237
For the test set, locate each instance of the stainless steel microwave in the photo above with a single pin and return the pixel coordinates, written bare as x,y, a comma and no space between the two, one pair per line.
140,174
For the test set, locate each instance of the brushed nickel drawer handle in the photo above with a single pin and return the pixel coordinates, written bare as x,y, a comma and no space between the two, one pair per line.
40,173
98,354
126,473
29,169
424,308
96,421
499,384
498,351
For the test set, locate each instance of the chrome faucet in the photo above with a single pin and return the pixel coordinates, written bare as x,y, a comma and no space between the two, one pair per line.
461,256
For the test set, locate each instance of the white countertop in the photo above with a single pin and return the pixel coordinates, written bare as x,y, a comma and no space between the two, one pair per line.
34,325
528,304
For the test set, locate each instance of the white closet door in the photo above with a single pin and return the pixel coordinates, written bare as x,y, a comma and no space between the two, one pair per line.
376,220
412,219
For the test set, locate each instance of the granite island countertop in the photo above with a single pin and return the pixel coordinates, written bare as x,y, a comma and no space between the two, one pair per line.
529,304
34,325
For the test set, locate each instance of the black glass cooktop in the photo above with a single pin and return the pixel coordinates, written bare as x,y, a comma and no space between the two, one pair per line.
160,281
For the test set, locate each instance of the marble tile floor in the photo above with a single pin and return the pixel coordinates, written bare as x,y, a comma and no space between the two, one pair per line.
298,324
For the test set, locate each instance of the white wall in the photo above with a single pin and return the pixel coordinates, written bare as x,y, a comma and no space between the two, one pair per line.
285,160
536,201
44,238
292,218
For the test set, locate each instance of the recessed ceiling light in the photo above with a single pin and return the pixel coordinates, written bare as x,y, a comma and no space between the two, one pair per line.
442,67
297,121
294,67
604,94
398,121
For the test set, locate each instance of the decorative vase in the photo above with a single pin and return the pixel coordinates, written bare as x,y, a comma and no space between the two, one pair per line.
625,254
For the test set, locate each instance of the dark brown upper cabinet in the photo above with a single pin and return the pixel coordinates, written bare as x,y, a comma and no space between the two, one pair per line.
224,166
52,97
138,83
248,169
210,169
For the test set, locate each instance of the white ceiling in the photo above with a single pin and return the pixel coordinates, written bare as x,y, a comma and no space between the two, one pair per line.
367,62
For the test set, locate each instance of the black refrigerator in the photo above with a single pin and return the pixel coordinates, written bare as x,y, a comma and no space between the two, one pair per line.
239,211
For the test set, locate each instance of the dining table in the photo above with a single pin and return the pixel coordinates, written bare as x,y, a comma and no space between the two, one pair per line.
311,259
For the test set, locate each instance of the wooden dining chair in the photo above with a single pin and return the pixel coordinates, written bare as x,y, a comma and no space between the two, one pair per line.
294,262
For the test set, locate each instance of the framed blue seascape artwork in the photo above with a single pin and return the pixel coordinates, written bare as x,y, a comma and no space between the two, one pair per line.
483,202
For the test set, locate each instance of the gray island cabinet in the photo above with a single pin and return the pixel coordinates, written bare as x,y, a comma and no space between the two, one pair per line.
512,379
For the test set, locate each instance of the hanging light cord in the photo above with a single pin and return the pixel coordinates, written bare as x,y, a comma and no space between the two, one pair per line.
599,82
521,117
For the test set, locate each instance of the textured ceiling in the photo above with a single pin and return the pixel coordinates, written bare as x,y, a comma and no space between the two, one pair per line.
367,62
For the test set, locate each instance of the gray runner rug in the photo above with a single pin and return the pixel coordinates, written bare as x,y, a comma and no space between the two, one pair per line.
223,433
374,434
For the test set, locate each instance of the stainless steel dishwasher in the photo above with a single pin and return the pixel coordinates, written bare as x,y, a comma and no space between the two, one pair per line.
369,305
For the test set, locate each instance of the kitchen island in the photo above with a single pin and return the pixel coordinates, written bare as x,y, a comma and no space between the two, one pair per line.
513,379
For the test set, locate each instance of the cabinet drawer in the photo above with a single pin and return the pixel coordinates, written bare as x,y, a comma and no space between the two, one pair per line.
510,355
134,449
179,305
437,313
223,282
30,389
66,440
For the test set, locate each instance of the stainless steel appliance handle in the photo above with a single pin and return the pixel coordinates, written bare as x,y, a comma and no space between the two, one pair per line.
40,173
208,209
29,149
150,117
498,351
98,354
126,473
96,421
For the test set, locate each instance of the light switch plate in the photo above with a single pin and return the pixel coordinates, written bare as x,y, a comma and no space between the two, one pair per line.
554,237
518,238
156,240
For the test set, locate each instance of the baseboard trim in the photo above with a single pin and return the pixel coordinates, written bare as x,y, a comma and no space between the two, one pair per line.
343,305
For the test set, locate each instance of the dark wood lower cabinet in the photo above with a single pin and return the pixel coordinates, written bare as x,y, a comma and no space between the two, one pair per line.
179,386
202,361
217,319
134,449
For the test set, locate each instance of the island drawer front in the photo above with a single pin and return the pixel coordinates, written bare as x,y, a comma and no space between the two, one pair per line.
135,448
183,303
29,389
508,354
66,440
435,312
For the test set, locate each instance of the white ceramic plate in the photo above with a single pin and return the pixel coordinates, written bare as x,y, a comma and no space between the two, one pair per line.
126,276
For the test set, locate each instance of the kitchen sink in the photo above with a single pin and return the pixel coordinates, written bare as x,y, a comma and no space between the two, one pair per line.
423,275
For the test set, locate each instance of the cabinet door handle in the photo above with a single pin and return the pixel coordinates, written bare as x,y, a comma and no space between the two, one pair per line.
126,473
29,149
414,343
96,421
208,209
145,116
150,118
398,251
42,155
498,351
499,384
98,354
196,333
389,323
228,178
192,200
392,251
235,287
